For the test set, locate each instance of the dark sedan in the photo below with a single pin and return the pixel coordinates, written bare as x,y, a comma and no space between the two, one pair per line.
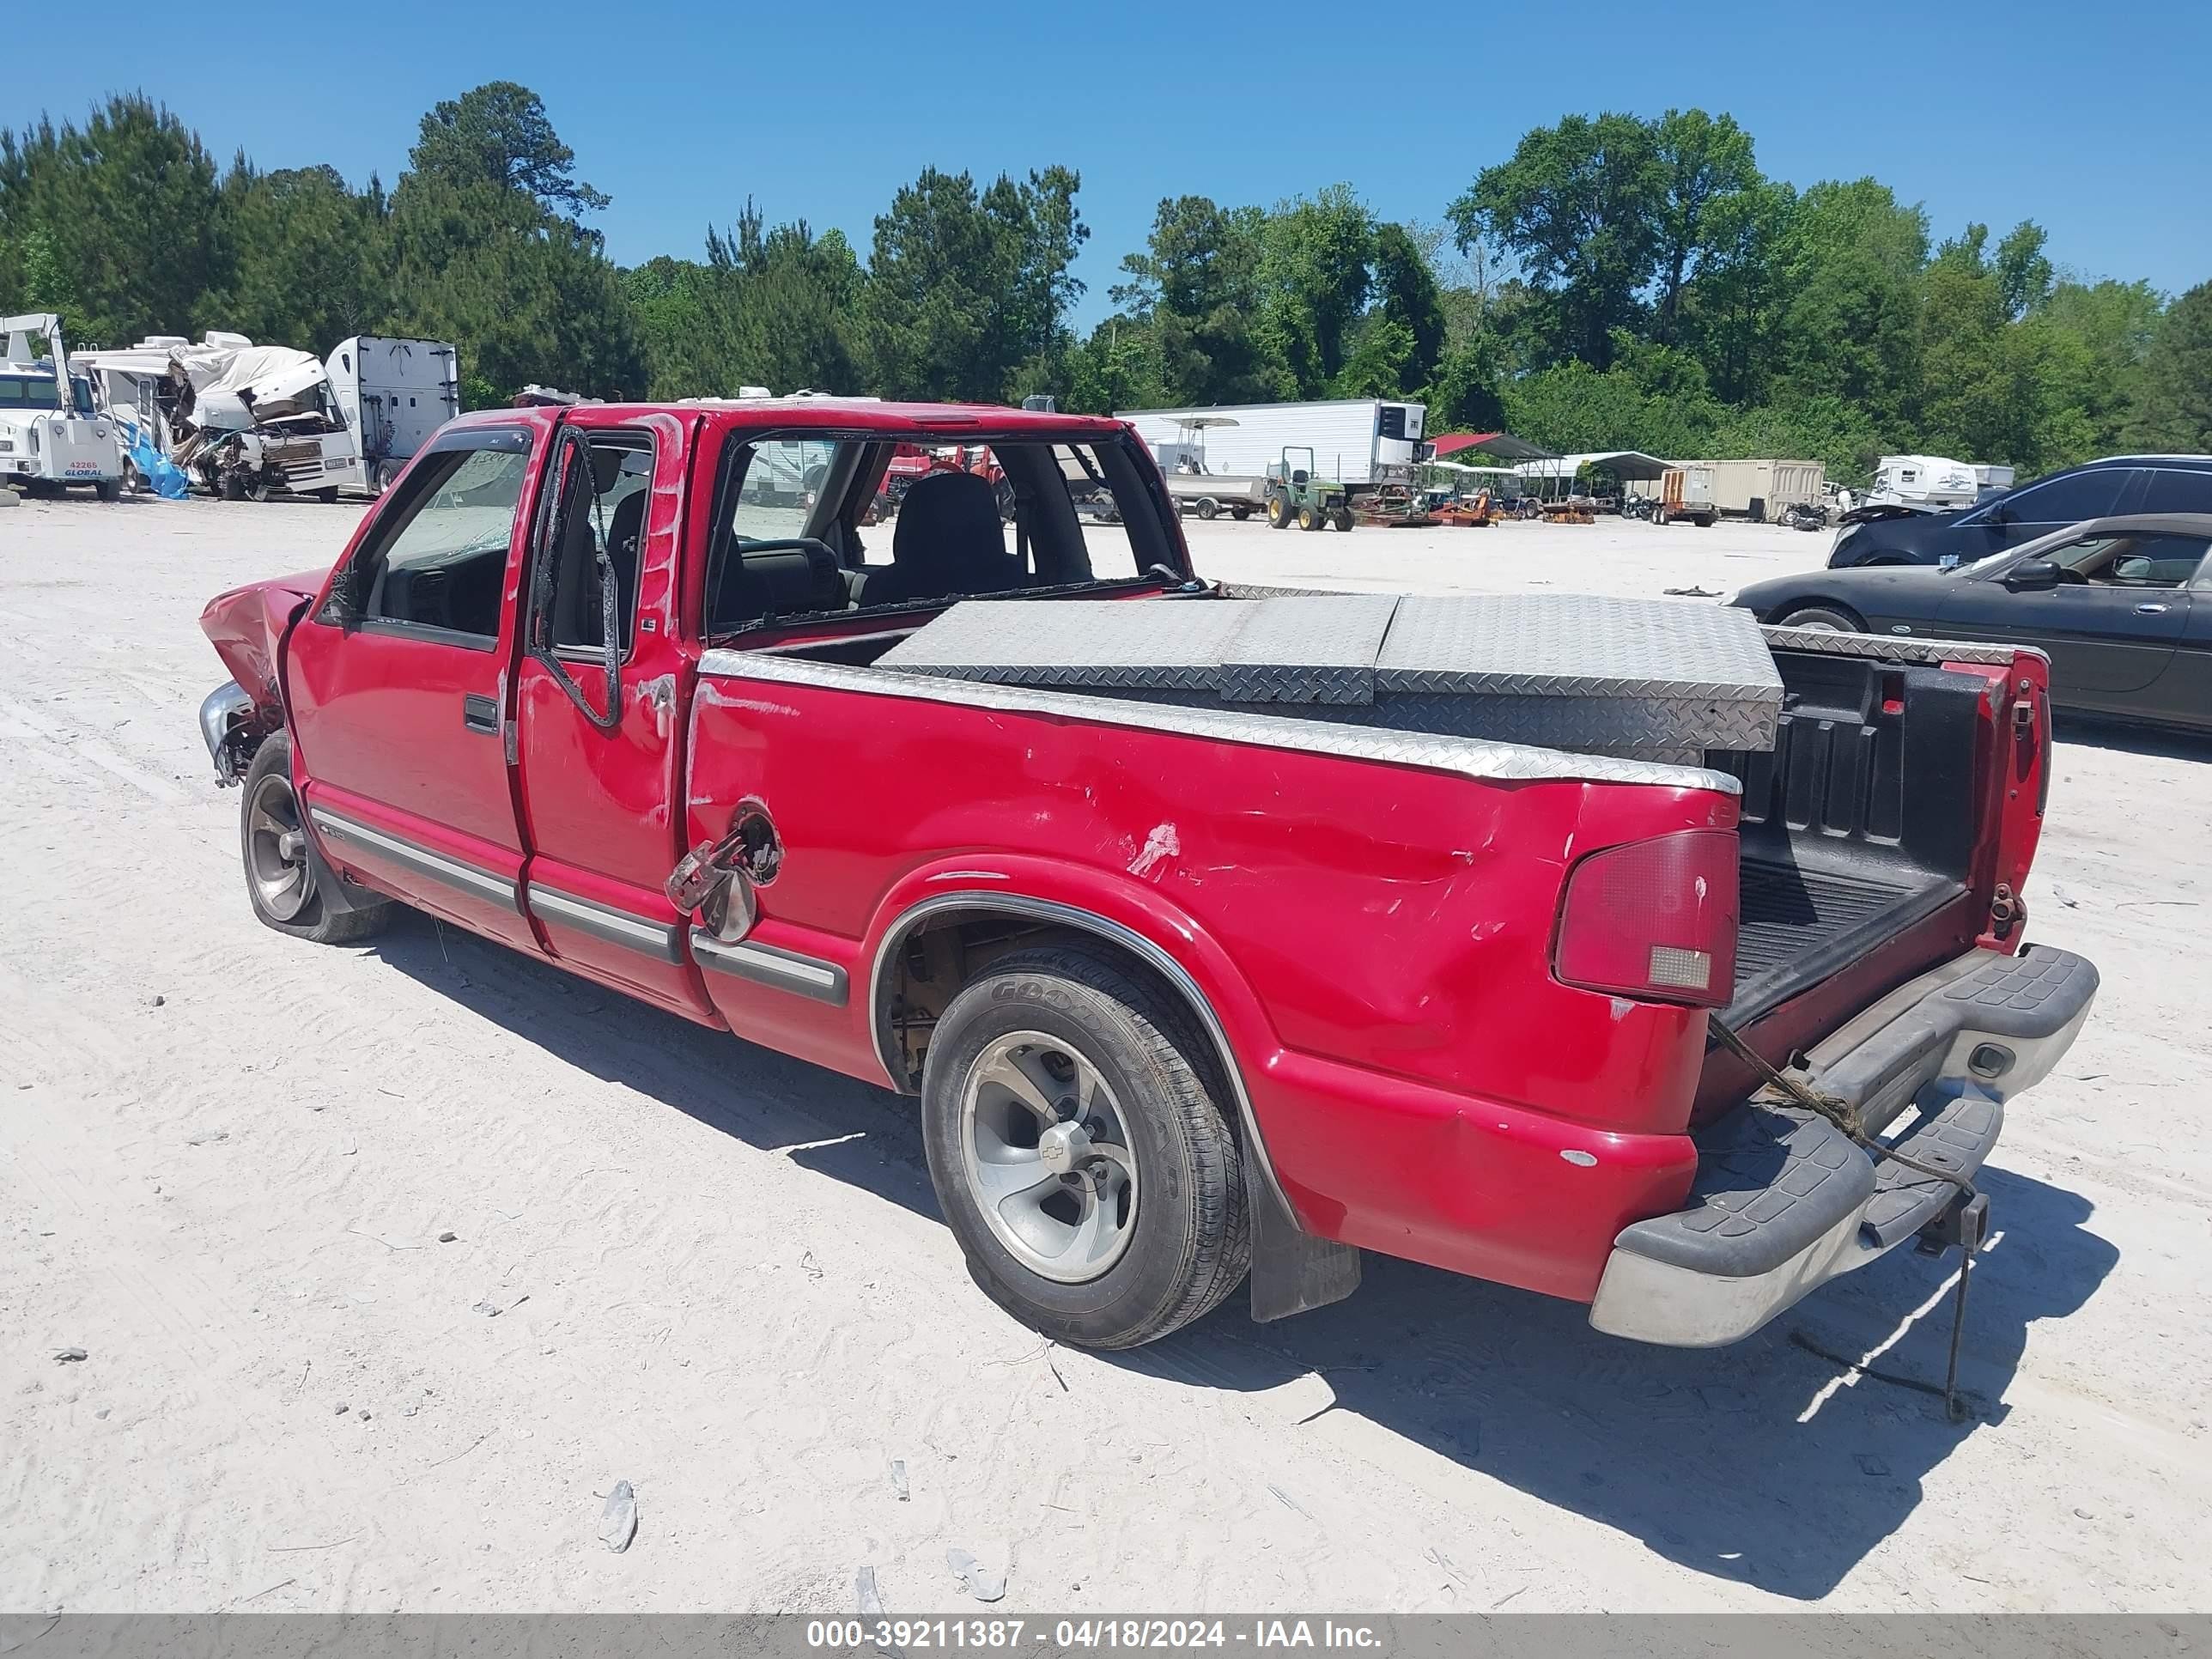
2096,490
2123,606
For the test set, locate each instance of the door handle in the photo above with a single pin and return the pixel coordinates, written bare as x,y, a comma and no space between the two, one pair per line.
2150,608
481,714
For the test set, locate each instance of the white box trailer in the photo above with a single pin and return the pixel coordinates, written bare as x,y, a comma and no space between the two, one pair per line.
1361,442
1760,489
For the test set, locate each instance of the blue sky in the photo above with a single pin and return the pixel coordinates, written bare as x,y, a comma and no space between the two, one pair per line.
2094,122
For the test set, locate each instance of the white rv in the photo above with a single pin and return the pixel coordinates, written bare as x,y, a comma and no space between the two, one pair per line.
1929,483
50,434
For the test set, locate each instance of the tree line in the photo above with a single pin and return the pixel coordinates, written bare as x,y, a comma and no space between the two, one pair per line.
1616,282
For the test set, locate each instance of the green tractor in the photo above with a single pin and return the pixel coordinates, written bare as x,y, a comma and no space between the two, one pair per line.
1294,494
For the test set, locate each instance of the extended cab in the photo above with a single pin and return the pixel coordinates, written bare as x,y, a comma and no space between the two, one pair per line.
1182,989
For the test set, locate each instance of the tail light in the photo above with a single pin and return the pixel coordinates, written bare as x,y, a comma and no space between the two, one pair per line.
1654,920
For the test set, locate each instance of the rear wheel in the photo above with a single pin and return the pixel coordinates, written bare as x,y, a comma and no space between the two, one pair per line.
109,489
280,877
1824,619
1207,506
1081,1152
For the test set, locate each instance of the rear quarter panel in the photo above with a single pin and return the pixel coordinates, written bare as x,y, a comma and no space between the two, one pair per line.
1374,939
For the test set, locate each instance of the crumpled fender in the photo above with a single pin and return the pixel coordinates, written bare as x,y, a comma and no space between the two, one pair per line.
247,626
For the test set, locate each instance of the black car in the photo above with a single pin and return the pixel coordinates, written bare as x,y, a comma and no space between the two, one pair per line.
2097,489
2123,605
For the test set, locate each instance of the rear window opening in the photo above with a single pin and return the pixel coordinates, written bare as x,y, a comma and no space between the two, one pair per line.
811,526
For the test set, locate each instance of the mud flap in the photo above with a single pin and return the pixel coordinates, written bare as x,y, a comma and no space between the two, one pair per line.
1292,1270
338,894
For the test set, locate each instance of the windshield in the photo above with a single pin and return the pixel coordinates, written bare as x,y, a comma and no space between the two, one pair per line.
29,392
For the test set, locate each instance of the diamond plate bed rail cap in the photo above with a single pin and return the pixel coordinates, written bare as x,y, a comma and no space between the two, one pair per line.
1891,648
1467,757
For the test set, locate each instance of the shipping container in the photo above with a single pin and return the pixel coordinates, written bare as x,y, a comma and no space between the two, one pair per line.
1360,442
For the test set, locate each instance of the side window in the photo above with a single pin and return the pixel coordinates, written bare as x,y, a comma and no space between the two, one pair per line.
2069,499
591,542
2179,492
2136,561
783,483
439,558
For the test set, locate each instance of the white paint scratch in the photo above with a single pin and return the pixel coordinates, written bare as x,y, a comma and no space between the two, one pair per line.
1159,846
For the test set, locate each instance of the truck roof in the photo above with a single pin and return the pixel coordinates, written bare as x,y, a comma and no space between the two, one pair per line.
846,414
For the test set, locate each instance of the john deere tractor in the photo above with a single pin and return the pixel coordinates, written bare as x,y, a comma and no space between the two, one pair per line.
1294,495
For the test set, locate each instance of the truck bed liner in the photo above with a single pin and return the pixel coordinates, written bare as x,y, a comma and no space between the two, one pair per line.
1794,917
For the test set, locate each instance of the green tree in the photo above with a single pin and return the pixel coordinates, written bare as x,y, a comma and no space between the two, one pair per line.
2024,276
1315,273
1196,292
2174,403
126,207
2100,335
1705,171
1408,296
498,134
1576,208
308,258
964,288
484,256
1849,264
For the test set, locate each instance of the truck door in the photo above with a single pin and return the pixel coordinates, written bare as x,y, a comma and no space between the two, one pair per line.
602,785
396,685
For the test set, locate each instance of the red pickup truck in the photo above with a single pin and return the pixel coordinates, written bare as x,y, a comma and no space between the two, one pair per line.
1186,986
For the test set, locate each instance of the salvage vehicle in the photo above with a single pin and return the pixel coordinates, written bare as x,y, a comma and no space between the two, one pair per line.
1887,532
2123,607
51,434
1205,934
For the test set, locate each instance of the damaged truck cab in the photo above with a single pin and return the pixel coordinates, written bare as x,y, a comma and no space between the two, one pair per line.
1213,931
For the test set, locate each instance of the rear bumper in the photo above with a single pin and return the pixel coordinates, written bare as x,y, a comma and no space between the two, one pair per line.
1784,1201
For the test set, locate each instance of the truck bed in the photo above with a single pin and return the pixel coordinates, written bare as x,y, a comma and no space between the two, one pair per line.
1856,825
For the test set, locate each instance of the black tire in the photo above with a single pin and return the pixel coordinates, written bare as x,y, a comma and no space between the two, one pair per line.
1309,516
1240,514
1278,512
1207,508
268,779
1833,618
1189,1242
327,497
108,490
232,487
1342,518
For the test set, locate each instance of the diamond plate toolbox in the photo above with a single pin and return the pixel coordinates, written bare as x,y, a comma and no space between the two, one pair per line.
1569,672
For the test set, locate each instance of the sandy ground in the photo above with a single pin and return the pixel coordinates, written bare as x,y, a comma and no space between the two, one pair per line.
227,1160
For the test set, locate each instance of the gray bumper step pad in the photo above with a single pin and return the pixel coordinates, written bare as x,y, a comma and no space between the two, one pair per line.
1646,679
1771,1180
